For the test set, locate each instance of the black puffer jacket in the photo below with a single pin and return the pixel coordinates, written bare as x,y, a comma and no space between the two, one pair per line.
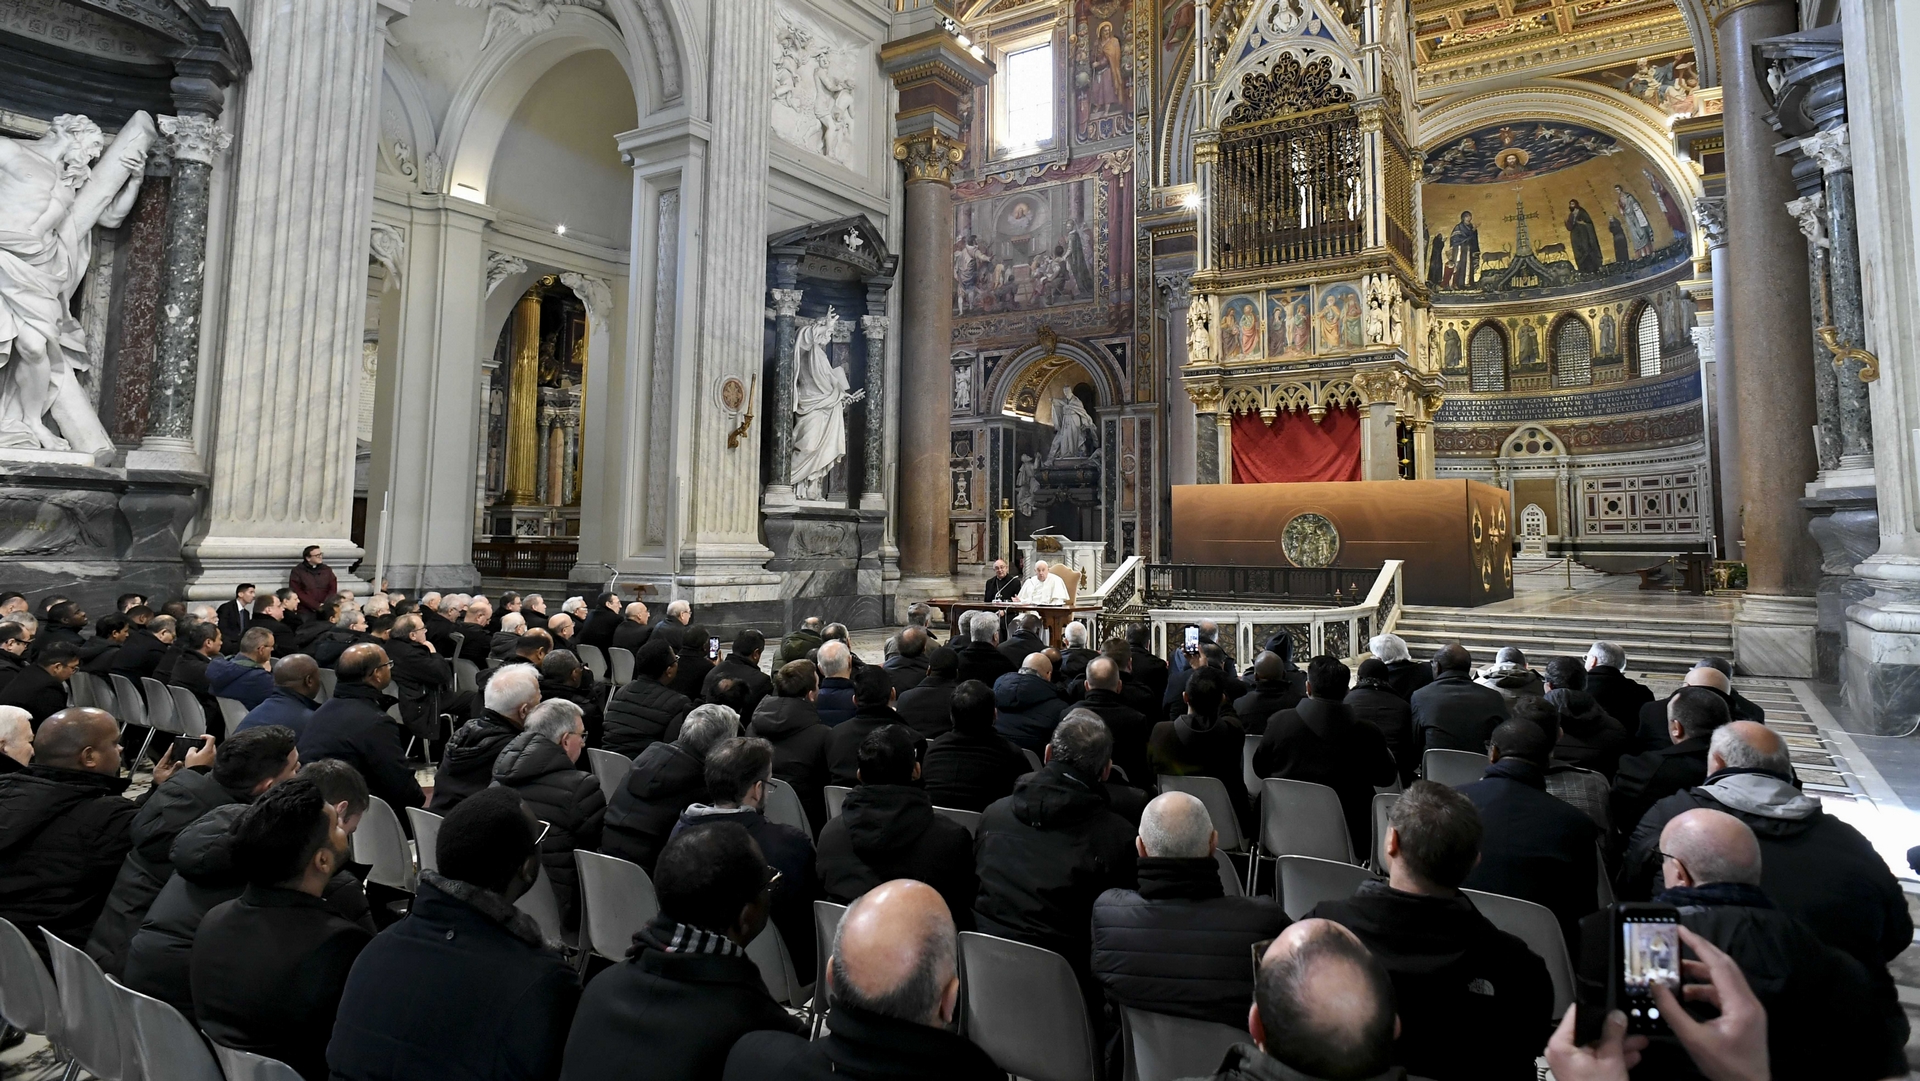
1044,854
665,782
585,696
1178,944
889,831
466,766
63,833
968,769
643,712
1589,736
800,743
563,796
928,707
174,806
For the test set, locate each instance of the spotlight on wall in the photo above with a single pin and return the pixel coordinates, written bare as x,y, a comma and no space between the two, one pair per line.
561,229
1191,200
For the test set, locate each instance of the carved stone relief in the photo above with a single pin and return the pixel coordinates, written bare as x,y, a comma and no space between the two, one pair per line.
815,87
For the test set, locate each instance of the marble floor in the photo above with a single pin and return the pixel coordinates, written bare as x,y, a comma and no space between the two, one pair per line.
1614,595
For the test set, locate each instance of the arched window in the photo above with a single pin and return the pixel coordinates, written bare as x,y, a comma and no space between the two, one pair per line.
1572,353
1487,359
1646,339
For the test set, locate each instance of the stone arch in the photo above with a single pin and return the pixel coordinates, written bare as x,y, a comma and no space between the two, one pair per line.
1633,337
1098,364
1570,350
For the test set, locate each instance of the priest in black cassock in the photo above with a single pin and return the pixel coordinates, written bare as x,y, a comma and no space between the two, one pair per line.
1002,587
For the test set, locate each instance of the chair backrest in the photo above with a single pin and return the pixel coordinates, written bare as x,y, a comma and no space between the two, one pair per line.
247,1066
969,819
171,1049
188,712
1212,792
836,795
769,951
80,690
783,806
426,837
382,844
29,999
826,924
1072,579
159,705
595,660
1033,758
611,768
1025,1010
1382,807
620,665
616,899
541,903
1452,768
1300,818
1305,881
234,712
329,682
459,643
1229,878
466,675
132,708
1604,891
1537,926
1161,1047
95,1028
1247,775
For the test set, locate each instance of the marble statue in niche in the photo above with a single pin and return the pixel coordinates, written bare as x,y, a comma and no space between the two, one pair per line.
963,389
820,397
52,194
1026,485
1074,435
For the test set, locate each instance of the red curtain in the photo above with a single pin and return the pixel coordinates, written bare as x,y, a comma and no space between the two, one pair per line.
1295,448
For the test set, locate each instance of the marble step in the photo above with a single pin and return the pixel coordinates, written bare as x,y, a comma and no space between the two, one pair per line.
1532,573
1651,645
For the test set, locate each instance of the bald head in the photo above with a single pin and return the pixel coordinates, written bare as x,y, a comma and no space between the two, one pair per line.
1323,1005
298,673
894,955
1039,664
1709,677
1267,667
1176,825
1452,658
80,738
1103,674
1746,745
1706,846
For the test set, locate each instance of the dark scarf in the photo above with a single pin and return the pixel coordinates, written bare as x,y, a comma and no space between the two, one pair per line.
1521,770
1714,895
670,936
492,906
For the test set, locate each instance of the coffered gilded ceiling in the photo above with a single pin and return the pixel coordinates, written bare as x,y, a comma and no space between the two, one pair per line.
1469,41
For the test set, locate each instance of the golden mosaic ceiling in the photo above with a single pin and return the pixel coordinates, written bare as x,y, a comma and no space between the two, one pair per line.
1465,32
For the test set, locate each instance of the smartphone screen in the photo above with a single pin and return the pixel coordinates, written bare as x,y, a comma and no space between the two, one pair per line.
1193,640
1649,954
184,745
713,649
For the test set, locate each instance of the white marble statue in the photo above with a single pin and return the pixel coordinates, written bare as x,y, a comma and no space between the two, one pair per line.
1073,431
833,106
1026,486
51,197
820,395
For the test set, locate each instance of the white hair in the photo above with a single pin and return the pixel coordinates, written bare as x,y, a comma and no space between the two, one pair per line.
679,608
449,604
984,627
16,730
1607,654
513,686
705,727
1077,635
202,613
379,605
572,605
1041,565
555,719
513,623
835,659
1176,825
1389,648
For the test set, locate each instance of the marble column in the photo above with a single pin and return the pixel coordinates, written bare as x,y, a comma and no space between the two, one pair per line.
487,368
1206,434
786,306
570,460
543,471
523,403
1177,301
1831,151
1710,213
1223,432
1772,339
874,328
1379,442
282,435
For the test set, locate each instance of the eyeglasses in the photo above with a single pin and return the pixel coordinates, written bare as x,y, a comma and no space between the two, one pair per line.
773,882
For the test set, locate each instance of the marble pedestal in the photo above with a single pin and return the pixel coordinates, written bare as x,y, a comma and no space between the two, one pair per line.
1846,525
828,560
93,533
1880,667
1775,636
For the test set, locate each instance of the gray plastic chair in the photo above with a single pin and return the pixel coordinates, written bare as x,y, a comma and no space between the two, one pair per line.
1161,1047
616,899
98,1031
233,711
80,691
188,712
29,999
610,768
159,706
783,806
130,708
466,675
247,1066
329,682
1300,818
1247,776
969,819
382,844
541,903
1212,792
1229,878
426,837
620,665
836,795
1024,1009
1034,759
591,656
1305,881
1452,768
769,951
1537,926
826,924
1382,807
171,1049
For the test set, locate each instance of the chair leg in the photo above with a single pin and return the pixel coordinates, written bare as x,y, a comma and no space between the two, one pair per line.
1253,866
144,744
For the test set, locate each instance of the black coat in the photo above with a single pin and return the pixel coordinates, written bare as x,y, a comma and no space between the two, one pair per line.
11,666
788,850
1590,737
928,707
282,634
1151,674
172,807
1376,703
96,658
643,712
1205,746
422,679
665,781
1619,696
268,970
981,661
1457,714
733,666
37,692
671,631
140,654
63,833
1173,702
628,635
905,673
1652,733
1017,647
799,751
599,628
1474,1003
669,1017
691,672
466,766
1044,854
1645,779
968,769
1536,846
860,1044
1131,730
1178,945
1406,677
500,1010
890,831
1322,742
843,747
1268,697
565,797
1026,709
353,726
1073,664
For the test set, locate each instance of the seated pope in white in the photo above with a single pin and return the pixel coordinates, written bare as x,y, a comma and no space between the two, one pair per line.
1044,587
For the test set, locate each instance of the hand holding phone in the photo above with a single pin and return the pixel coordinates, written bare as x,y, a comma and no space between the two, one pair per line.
1193,640
1733,1046
713,649
1649,958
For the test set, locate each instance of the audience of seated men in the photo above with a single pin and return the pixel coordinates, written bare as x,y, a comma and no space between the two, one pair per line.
1028,705
973,765
560,626
64,623
268,967
1204,740
563,677
270,610
742,662
667,778
893,986
41,686
1651,732
1590,737
1534,846
790,722
1178,944
1323,1010
244,766
1145,668
529,650
354,726
1277,685
1742,707
296,694
887,829
873,710
1320,741
1607,681
466,766
927,708
159,959
1509,675
500,644
980,658
645,710
688,991
1105,695
799,643
145,645
504,999
1475,1003
1453,712
674,625
1645,779
245,675
1404,674
540,765
634,629
603,619
97,655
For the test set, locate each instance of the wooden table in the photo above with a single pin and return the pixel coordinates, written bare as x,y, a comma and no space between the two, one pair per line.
1053,617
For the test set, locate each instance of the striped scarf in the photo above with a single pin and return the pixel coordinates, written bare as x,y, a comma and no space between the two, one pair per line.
669,936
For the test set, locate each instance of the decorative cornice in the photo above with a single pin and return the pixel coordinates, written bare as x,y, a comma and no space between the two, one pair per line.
500,266
786,302
1830,148
595,293
194,138
929,155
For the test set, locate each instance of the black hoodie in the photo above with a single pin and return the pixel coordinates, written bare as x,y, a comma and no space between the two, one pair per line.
799,741
1590,737
889,831
665,781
